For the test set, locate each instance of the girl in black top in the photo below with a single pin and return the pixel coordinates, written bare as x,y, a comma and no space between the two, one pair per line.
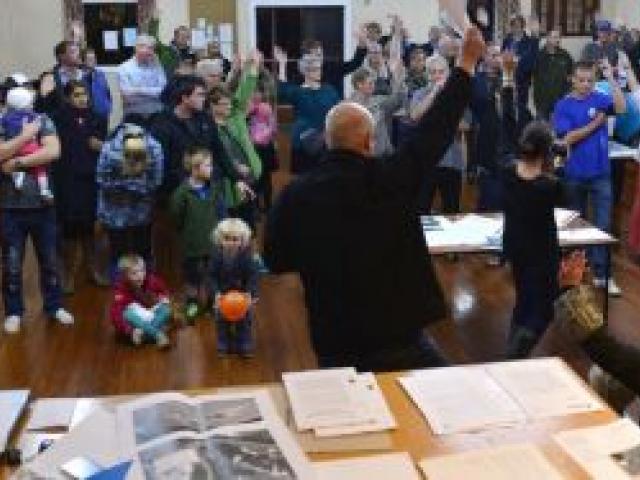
530,240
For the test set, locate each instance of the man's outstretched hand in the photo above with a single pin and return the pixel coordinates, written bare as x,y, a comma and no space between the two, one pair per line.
473,48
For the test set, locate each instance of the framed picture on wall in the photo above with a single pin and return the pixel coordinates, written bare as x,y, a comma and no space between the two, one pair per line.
111,28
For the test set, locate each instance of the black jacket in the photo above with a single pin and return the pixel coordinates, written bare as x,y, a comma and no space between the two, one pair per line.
351,229
177,135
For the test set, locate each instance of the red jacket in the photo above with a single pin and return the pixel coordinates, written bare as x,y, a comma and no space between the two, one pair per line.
153,289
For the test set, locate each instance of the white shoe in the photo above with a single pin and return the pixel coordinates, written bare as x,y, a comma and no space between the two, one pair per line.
12,324
612,288
63,317
136,336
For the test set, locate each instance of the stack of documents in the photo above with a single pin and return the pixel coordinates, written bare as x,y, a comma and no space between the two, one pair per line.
607,452
470,398
522,462
564,217
469,230
391,466
337,402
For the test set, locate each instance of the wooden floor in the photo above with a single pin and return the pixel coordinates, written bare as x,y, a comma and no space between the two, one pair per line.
86,360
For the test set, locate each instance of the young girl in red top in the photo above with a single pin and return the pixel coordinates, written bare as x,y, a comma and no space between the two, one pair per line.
141,306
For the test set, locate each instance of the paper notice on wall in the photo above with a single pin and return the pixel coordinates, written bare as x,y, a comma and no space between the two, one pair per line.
129,37
198,39
110,40
454,15
225,31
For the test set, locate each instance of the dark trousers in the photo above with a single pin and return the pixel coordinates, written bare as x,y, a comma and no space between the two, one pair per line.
446,181
195,271
536,289
421,353
129,240
40,226
489,192
234,337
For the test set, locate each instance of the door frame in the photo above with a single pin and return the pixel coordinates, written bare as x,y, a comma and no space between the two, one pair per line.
347,20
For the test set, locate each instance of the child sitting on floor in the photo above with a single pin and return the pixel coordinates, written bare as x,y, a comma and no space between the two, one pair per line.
141,306
234,267
20,102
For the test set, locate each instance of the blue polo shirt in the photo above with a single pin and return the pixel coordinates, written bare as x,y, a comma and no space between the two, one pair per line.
628,123
589,158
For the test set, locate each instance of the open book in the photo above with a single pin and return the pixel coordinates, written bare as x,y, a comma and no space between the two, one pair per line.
469,398
170,435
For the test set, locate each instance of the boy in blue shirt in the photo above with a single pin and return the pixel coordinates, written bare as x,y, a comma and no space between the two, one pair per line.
580,119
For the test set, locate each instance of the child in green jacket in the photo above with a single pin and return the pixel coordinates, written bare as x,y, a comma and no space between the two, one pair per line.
197,205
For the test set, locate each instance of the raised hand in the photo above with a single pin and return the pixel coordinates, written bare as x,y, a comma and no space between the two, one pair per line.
473,48
280,55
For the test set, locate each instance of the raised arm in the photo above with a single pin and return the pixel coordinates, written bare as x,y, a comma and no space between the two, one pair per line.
619,102
435,130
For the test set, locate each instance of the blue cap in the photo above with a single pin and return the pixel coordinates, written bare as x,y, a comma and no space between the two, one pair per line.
603,26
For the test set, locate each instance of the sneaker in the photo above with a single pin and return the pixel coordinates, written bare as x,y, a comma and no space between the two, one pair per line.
612,288
162,341
493,261
137,336
64,317
12,324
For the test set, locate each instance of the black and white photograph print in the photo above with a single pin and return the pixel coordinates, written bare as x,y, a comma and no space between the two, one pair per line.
249,455
226,412
163,418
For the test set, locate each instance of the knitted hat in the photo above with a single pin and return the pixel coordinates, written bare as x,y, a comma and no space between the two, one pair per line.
20,98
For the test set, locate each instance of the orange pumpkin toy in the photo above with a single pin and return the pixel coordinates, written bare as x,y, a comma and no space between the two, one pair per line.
234,305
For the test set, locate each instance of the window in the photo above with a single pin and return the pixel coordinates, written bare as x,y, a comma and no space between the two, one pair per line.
571,17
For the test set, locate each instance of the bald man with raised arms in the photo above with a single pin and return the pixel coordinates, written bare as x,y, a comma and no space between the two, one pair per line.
351,229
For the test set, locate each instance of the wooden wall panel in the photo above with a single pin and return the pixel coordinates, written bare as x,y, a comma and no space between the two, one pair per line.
215,11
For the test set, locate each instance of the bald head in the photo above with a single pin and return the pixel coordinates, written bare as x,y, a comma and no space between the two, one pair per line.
349,126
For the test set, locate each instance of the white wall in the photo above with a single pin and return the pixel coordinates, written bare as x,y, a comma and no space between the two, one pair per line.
173,13
29,29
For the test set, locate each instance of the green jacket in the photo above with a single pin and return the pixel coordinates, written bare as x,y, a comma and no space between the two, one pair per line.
237,129
167,55
551,79
195,218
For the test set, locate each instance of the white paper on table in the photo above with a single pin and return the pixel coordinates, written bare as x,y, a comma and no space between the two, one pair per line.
51,413
592,447
544,387
225,32
172,421
198,39
455,12
471,230
586,234
374,403
392,466
96,438
129,37
564,217
522,462
461,399
12,402
325,398
110,40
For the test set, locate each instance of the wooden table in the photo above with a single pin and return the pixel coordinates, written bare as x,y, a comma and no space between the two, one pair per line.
487,247
414,435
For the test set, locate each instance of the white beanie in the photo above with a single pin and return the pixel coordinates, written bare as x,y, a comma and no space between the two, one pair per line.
20,98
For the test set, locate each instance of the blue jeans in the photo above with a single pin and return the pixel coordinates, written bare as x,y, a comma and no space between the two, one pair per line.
40,225
597,192
152,329
234,337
